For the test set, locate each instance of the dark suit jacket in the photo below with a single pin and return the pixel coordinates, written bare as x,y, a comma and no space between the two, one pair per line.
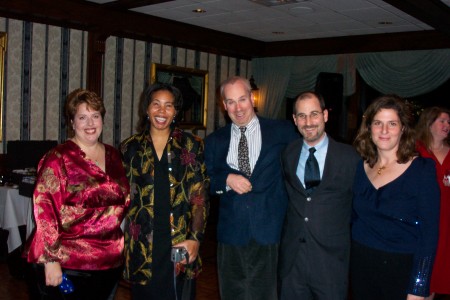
258,214
319,223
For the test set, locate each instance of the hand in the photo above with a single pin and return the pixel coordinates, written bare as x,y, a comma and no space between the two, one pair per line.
192,248
431,297
414,297
53,274
239,183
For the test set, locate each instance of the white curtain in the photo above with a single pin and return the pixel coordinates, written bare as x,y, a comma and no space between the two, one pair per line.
305,70
281,77
406,73
272,77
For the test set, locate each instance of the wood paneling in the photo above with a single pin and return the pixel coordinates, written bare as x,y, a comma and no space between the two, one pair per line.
115,19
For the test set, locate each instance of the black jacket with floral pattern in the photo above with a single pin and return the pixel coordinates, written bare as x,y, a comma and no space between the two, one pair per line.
189,186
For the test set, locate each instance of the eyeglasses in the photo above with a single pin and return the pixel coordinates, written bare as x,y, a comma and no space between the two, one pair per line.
313,115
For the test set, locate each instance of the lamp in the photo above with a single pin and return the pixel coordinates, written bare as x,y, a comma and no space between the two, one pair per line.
255,92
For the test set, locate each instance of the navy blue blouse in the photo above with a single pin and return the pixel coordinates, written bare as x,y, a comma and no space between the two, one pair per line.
401,216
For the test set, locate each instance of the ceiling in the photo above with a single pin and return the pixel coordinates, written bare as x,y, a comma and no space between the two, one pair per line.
252,28
287,20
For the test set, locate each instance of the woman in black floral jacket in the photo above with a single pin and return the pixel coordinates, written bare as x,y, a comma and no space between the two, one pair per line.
169,205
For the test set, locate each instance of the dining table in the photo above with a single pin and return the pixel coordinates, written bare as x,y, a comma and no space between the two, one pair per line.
15,211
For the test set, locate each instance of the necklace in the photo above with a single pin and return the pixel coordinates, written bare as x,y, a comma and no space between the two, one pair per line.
97,151
380,170
384,167
95,160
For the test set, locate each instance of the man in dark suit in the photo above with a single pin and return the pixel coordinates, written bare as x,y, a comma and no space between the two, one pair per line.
315,244
252,194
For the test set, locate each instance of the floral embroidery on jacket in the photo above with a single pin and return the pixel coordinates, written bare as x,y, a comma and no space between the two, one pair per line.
188,199
78,209
187,158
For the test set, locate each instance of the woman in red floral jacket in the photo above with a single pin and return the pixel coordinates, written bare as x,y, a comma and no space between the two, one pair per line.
80,200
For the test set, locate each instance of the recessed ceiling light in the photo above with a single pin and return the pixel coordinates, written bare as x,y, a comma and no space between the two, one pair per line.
199,10
385,23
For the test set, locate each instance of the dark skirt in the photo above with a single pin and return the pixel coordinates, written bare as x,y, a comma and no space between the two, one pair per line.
376,274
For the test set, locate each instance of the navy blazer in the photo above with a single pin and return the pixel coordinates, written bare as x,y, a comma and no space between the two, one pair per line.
259,214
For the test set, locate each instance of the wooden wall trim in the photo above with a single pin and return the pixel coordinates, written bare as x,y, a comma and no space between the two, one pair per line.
418,40
95,55
115,19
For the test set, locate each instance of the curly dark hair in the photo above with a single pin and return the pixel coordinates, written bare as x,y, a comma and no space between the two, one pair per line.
77,97
426,119
363,141
147,98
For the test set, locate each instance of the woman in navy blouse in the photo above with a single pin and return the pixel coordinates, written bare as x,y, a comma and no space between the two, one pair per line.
395,207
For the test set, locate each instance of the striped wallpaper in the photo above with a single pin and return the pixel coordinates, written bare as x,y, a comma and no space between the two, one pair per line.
44,63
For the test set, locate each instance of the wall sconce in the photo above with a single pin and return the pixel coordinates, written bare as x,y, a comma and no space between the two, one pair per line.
255,92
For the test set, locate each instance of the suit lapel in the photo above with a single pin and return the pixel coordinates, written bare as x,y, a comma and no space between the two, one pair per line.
265,139
329,160
294,157
223,142
327,169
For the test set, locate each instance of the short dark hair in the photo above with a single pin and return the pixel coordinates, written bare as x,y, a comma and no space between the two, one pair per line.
363,141
146,99
307,95
77,97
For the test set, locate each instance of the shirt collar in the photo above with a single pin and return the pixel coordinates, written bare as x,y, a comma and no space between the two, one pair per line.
323,144
250,126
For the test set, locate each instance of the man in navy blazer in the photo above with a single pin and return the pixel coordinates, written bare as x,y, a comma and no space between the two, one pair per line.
315,244
252,207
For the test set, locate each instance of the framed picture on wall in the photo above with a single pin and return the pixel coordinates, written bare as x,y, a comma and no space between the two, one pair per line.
193,85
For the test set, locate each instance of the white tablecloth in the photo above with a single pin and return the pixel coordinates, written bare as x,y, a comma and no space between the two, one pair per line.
15,210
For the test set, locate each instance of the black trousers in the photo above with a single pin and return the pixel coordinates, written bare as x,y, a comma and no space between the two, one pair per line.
376,274
89,285
247,272
301,283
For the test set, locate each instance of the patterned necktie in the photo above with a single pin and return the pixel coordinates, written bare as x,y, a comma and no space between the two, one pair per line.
243,160
312,172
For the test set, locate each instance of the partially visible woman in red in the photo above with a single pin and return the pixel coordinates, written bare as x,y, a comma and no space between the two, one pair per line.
433,141
80,200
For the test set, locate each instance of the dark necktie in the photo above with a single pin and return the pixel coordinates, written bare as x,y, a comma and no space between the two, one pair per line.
312,172
243,160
